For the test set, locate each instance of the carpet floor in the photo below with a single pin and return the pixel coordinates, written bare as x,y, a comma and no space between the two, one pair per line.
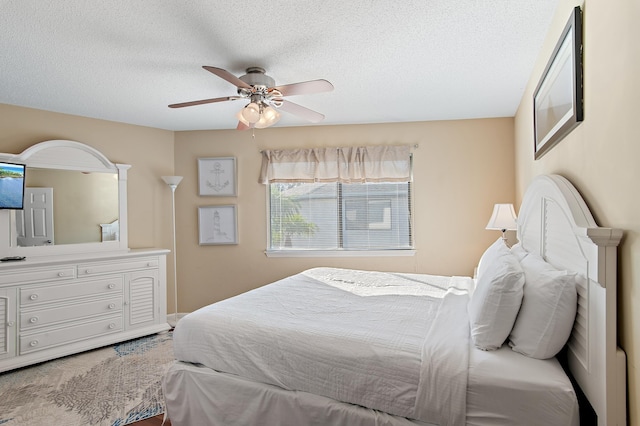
111,386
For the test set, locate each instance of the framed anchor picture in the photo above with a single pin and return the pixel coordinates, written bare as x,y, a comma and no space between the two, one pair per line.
217,177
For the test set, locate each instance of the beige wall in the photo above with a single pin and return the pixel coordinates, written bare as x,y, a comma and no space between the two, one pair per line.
461,168
149,151
601,155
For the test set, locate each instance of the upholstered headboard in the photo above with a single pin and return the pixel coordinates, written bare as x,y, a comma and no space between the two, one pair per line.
555,222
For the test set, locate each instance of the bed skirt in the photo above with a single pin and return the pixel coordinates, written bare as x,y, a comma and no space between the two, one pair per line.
196,395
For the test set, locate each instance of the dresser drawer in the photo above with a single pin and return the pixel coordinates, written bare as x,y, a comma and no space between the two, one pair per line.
48,316
46,339
35,295
88,269
35,275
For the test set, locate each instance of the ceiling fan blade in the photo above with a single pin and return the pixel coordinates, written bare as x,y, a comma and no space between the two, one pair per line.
226,75
205,101
305,88
242,126
301,111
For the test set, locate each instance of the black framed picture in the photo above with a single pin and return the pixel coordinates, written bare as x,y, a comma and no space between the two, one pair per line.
558,98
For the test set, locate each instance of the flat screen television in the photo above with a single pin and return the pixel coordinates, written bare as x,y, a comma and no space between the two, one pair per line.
12,185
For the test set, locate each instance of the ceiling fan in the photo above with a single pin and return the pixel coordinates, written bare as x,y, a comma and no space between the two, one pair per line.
265,98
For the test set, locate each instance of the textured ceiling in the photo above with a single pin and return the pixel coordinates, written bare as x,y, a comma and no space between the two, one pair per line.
389,61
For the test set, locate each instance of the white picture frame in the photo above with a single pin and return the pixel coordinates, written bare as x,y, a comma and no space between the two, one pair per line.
217,225
217,177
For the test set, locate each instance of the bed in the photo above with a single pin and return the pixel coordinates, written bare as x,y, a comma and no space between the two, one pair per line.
333,346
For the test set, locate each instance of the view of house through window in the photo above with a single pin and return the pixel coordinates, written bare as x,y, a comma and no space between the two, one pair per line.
334,216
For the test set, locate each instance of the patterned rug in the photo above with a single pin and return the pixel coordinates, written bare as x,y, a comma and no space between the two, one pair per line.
112,386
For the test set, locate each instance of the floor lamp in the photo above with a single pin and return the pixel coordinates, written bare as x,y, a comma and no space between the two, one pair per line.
173,182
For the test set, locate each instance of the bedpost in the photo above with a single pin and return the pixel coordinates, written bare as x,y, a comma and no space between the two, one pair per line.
615,362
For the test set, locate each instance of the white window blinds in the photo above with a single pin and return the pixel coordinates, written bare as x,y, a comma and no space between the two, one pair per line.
345,165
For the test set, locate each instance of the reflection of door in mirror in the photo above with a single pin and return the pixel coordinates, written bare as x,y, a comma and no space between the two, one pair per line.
110,231
35,221
82,202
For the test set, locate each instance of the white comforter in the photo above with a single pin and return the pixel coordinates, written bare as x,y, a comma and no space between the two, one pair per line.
397,343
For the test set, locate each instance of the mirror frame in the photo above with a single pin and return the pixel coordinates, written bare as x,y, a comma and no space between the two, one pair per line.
65,155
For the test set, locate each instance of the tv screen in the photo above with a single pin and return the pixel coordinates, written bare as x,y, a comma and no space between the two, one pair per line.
11,185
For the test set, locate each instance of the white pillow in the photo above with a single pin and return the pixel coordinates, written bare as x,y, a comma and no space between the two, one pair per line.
548,310
489,255
519,252
496,300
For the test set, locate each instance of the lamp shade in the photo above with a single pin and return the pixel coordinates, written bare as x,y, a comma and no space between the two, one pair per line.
503,218
172,180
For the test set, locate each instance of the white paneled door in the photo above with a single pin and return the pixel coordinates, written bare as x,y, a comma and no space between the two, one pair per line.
35,222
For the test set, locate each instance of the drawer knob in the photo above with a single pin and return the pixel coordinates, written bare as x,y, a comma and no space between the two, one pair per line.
33,320
11,323
112,305
33,343
87,271
33,297
112,286
61,274
112,326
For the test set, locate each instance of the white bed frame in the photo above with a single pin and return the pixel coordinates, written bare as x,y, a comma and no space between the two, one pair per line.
555,222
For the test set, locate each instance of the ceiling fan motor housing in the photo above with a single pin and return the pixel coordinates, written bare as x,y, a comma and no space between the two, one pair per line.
257,78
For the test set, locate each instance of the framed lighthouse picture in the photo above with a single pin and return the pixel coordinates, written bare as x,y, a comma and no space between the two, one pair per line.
217,225
217,177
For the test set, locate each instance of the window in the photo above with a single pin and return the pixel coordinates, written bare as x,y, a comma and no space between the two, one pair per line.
354,198
340,216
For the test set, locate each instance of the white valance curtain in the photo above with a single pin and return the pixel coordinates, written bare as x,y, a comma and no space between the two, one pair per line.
346,165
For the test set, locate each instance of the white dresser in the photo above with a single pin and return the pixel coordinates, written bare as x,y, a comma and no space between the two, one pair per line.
52,307
76,290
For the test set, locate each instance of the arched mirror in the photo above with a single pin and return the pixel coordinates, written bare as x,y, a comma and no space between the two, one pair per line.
75,201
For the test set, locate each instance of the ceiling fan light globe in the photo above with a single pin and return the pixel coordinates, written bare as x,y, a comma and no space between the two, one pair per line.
270,114
241,118
268,118
251,112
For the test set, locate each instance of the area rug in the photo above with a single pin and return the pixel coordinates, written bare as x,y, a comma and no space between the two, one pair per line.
111,386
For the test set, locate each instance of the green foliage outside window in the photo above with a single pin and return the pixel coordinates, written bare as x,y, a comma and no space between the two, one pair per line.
286,220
